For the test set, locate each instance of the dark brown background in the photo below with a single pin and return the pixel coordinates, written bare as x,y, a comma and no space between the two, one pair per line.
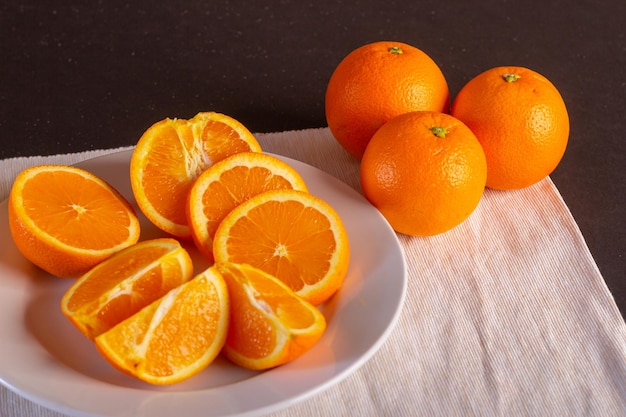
89,75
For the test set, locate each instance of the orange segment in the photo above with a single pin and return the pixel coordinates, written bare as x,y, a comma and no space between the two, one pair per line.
125,283
270,324
292,235
176,336
171,154
66,220
228,183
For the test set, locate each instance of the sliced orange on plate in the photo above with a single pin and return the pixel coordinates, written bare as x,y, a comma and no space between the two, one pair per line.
171,154
230,182
66,220
125,283
270,325
175,337
292,235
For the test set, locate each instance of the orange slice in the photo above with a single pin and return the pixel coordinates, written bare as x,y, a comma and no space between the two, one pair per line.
230,182
176,336
66,220
125,283
171,154
270,324
292,235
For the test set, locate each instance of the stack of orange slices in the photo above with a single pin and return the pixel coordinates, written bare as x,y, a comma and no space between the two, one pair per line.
277,250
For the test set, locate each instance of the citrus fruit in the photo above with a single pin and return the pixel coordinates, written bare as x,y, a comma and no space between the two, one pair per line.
270,324
230,182
424,171
376,82
66,220
290,234
176,336
123,284
521,121
171,154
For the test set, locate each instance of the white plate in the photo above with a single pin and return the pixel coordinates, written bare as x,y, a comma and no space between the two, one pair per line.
45,359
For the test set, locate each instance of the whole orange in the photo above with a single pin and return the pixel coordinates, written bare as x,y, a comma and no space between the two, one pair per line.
520,119
424,171
377,82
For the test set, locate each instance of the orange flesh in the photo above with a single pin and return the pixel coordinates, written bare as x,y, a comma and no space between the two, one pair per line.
169,180
196,314
284,250
253,297
222,140
74,221
125,283
174,337
247,183
111,274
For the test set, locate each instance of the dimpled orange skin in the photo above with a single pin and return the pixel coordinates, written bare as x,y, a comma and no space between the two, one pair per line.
424,184
376,82
520,119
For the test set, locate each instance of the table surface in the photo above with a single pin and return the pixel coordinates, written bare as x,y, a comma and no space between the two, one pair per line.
76,78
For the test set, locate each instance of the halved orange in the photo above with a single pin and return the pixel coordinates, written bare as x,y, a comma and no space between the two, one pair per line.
125,283
171,154
175,337
293,235
230,182
270,325
66,220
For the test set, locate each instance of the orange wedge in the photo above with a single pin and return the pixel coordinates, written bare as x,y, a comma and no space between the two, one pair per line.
292,235
66,220
175,337
171,154
125,283
230,182
270,324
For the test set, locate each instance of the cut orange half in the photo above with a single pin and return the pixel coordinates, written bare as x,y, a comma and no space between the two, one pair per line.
125,283
270,325
169,157
230,182
292,235
175,337
66,220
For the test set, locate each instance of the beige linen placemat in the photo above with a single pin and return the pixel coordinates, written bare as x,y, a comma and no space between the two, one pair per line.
505,315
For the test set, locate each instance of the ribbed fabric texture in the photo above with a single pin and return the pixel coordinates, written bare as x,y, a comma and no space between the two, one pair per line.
505,315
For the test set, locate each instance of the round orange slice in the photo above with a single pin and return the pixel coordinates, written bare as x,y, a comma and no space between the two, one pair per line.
293,235
120,286
175,337
230,182
171,154
66,220
270,325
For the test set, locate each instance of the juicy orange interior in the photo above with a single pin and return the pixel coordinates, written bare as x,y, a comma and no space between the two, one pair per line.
168,337
247,181
110,274
192,312
221,140
96,219
169,179
255,299
287,307
243,183
143,290
278,236
181,151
